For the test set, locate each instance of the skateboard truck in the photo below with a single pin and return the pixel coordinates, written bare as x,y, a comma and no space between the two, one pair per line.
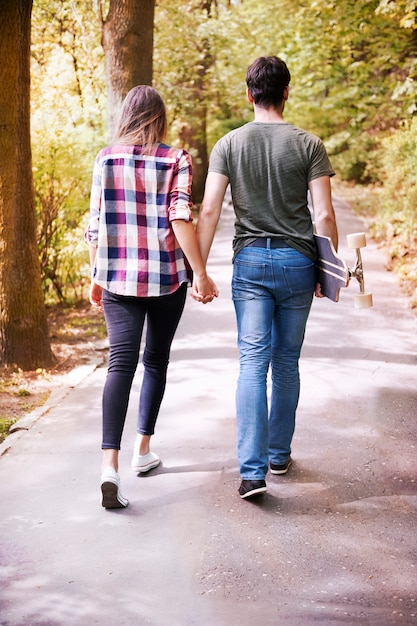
356,241
333,272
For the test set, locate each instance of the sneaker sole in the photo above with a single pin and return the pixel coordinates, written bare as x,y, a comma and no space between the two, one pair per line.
253,492
142,469
111,497
281,472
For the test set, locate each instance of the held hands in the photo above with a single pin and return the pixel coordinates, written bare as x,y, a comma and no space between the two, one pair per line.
317,291
204,289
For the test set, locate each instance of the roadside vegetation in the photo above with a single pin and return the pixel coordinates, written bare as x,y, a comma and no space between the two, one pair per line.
353,69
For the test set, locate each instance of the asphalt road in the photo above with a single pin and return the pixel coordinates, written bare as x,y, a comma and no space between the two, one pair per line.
332,543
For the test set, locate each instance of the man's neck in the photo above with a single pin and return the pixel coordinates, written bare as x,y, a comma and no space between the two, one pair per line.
271,115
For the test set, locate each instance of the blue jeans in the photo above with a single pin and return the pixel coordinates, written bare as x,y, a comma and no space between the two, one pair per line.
272,291
125,318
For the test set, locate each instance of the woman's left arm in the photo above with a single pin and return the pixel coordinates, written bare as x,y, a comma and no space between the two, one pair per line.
181,217
91,234
96,292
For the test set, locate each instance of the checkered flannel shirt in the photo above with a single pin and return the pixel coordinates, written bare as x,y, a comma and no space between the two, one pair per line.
134,199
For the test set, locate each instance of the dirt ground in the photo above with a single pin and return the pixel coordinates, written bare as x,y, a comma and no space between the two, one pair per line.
77,333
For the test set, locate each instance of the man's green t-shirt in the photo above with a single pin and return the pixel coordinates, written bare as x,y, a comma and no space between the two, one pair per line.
269,167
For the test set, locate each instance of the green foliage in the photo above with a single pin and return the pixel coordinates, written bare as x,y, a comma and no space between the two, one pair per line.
353,70
68,127
394,218
5,425
353,67
191,46
62,184
355,159
399,194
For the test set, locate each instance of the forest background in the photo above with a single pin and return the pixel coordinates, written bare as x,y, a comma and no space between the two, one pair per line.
353,65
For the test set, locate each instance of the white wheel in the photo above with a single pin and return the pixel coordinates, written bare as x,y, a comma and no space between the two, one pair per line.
356,240
363,300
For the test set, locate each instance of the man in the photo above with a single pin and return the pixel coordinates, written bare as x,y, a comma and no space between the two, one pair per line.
270,165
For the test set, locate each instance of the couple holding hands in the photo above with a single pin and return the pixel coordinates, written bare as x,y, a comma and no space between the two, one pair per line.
144,251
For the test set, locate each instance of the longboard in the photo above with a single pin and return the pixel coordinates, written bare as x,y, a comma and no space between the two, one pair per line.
333,272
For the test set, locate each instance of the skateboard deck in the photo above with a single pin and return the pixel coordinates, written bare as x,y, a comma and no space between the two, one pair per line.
333,273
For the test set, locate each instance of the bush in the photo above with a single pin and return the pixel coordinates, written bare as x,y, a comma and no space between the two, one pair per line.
395,222
61,193
399,167
355,159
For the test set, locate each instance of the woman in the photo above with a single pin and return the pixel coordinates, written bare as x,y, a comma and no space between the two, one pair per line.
141,236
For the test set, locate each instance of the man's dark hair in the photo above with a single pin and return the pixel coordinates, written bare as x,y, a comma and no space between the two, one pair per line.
266,79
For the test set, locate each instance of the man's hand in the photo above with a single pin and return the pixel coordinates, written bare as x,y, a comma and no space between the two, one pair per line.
317,291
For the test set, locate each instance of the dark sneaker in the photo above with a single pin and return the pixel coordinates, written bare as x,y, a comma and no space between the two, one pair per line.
249,488
281,469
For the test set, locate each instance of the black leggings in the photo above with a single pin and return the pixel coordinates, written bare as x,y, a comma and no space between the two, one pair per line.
125,318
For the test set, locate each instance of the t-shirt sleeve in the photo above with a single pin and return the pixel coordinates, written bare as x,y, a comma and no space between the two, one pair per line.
320,163
218,159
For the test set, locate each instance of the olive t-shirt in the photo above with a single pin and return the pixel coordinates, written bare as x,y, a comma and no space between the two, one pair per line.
269,167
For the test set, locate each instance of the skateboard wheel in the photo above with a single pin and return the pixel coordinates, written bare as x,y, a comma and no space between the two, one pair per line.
356,240
363,300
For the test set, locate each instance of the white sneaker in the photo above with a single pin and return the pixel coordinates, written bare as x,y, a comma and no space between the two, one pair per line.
110,489
142,463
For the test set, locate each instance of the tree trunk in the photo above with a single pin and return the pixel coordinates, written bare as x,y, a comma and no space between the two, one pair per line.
127,39
24,339
193,136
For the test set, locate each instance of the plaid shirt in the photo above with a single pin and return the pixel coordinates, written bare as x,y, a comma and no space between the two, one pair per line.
134,198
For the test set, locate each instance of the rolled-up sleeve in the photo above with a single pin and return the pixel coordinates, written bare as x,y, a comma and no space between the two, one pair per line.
180,200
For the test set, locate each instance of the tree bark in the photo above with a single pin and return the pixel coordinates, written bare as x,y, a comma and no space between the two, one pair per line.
193,137
127,40
24,338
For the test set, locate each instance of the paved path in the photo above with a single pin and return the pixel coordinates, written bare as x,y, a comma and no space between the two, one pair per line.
332,543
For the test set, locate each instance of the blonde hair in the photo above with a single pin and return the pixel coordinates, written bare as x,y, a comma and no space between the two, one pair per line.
142,120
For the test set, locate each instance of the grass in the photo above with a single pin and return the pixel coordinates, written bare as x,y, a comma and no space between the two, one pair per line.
5,424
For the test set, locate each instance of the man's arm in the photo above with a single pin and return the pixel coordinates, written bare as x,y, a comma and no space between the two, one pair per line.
324,216
210,210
